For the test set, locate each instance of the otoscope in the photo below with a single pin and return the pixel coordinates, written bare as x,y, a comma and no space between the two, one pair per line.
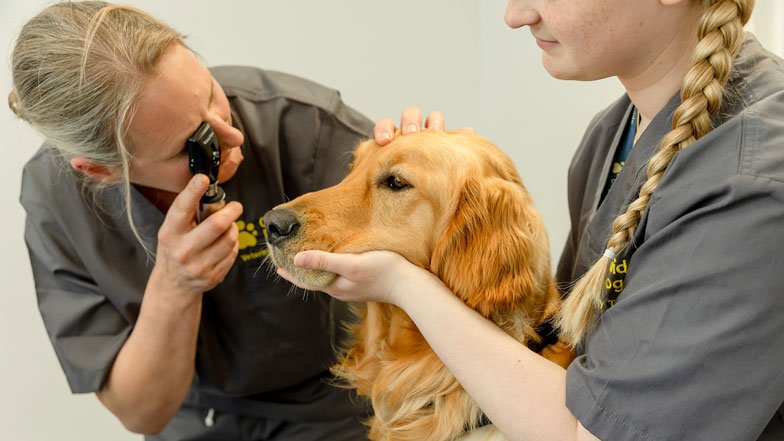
204,157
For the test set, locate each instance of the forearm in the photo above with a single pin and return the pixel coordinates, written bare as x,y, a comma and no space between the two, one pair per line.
521,392
154,369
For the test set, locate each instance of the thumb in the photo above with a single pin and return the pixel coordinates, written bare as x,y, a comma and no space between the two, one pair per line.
183,208
324,261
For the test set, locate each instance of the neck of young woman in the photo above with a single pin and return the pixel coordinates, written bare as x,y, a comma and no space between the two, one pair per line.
652,99
652,87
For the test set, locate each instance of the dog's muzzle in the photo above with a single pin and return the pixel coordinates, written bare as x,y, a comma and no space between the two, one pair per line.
284,228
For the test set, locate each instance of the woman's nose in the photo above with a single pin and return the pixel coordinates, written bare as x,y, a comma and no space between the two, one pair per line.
228,135
520,13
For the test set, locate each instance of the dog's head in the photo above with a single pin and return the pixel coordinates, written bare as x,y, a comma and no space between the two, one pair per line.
449,202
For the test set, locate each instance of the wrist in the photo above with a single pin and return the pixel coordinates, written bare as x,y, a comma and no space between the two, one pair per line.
168,294
411,286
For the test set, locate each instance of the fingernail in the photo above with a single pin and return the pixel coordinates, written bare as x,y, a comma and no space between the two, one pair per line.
436,127
386,136
301,260
411,128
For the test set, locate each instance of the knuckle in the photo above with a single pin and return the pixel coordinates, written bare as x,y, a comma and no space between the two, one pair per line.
200,270
217,277
227,251
321,263
354,274
180,256
213,280
234,233
215,225
163,236
351,271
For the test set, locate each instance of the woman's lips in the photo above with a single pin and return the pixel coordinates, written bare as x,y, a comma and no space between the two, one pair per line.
546,44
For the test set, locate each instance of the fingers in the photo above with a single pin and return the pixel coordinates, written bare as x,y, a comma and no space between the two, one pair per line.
196,260
384,131
372,276
215,225
435,121
224,251
410,120
216,247
286,275
324,261
183,209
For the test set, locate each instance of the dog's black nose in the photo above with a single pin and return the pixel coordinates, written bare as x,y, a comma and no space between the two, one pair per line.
281,224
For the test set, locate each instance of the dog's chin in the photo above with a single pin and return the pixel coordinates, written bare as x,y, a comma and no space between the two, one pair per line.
309,279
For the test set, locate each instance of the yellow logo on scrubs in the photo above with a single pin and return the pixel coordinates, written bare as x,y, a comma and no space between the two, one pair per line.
250,239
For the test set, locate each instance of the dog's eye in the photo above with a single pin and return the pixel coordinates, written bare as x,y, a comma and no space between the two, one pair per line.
395,183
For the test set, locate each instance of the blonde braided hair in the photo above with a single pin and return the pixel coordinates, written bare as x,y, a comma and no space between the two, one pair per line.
720,35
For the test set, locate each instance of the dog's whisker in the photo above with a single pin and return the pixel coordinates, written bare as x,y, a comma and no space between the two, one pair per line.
271,268
255,273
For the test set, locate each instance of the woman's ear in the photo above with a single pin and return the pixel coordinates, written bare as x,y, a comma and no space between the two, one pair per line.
101,173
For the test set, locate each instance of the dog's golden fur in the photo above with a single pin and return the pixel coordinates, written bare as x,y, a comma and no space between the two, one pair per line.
454,204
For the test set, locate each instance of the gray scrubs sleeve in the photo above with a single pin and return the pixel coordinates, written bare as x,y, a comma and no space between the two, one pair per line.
694,347
85,329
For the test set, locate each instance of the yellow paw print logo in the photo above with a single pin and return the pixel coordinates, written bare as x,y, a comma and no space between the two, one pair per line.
618,166
248,234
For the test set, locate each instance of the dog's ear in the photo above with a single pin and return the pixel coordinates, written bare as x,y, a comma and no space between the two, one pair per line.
494,251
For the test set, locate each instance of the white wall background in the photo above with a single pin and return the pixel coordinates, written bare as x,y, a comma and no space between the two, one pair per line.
456,56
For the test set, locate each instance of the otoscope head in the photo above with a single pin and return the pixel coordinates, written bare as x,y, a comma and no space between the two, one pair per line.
204,152
204,157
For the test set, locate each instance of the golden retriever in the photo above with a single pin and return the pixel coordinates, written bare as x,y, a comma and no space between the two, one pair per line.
451,203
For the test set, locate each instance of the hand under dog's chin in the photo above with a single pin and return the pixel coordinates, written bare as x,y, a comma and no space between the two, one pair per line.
314,280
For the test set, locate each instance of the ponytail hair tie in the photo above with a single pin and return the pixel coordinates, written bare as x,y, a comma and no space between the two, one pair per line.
609,254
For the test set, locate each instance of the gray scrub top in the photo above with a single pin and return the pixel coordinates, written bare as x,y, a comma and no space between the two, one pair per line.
262,349
693,349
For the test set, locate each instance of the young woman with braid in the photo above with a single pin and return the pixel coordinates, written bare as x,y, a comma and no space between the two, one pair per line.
676,313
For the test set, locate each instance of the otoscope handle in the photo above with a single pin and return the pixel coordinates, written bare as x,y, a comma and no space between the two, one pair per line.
212,201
